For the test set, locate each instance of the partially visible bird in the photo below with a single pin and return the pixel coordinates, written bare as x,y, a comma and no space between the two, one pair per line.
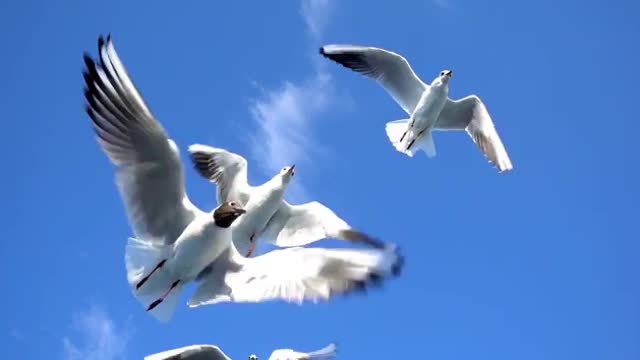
212,352
175,241
192,352
428,105
269,216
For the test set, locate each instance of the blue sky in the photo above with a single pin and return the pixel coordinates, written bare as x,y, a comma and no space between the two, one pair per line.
540,263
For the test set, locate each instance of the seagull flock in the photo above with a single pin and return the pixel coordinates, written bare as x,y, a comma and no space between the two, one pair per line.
175,243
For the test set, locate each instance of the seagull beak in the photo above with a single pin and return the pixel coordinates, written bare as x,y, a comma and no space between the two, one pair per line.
450,73
293,169
240,211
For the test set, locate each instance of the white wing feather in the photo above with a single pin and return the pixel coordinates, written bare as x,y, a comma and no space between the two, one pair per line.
224,168
390,70
149,170
297,275
299,225
471,114
192,352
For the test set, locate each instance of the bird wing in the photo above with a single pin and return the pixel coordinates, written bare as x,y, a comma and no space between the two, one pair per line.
389,69
224,168
298,275
192,352
299,225
149,170
471,114
328,352
287,354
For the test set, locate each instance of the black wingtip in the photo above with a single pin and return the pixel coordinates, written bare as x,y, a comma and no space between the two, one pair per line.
100,42
88,61
321,51
396,269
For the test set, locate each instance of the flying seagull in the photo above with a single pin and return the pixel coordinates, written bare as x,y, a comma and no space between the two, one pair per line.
212,352
176,242
269,216
428,105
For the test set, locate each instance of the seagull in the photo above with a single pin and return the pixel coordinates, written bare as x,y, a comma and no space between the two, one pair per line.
428,105
175,242
212,352
269,216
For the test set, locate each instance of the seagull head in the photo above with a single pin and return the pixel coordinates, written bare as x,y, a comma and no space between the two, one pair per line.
253,357
444,76
227,213
288,172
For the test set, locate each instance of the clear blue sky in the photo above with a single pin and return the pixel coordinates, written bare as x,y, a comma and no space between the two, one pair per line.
540,263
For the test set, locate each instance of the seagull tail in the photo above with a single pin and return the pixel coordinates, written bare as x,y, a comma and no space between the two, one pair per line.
395,131
426,144
326,353
146,257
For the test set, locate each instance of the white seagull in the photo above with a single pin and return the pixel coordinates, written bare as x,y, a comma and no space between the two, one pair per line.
212,352
428,105
269,216
175,241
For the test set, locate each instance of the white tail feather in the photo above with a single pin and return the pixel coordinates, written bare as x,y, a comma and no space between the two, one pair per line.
395,129
141,257
425,143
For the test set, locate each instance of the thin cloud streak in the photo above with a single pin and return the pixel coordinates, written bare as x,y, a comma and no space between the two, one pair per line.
284,116
97,337
316,15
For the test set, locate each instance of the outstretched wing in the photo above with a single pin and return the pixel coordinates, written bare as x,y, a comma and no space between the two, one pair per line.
299,225
192,352
149,171
471,114
298,274
226,169
389,69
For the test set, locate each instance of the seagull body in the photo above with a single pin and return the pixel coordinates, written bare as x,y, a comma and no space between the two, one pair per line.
429,106
175,242
269,216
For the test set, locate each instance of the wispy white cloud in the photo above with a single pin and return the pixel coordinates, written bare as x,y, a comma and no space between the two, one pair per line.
16,334
284,115
443,3
96,337
316,15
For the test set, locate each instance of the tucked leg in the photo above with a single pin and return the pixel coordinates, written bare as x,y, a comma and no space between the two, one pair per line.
252,245
161,299
144,279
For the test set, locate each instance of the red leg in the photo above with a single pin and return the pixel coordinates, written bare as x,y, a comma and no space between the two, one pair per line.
252,245
161,299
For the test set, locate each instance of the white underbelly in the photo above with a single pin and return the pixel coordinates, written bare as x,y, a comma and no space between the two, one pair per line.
427,113
195,253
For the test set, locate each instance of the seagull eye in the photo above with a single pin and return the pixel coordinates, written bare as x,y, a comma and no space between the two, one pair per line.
232,203
442,73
